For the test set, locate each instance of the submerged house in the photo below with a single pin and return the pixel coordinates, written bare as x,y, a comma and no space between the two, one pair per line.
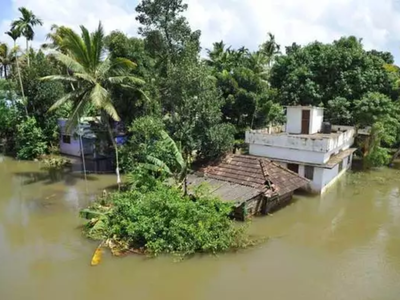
70,143
254,185
307,145
92,144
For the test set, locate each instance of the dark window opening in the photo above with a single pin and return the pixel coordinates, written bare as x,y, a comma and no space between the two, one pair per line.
349,160
293,167
340,166
66,139
309,172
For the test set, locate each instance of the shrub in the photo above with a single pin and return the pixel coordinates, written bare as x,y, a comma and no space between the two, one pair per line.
145,140
29,140
164,221
54,162
219,140
8,122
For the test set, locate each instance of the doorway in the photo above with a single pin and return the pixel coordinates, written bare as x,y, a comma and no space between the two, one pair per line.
305,121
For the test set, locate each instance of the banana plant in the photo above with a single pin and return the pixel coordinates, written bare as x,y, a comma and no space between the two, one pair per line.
158,165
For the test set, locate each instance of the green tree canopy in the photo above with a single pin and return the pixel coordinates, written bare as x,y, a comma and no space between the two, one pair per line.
318,73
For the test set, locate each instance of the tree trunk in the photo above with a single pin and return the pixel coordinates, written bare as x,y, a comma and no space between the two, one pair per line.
116,153
27,52
395,155
20,82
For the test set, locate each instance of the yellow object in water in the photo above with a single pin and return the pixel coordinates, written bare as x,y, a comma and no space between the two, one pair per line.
96,259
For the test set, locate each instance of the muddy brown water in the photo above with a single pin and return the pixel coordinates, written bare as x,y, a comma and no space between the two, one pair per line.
344,245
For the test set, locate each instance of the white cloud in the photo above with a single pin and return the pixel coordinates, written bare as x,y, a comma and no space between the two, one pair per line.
241,22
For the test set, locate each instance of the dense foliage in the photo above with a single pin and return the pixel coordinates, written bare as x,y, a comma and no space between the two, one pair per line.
204,104
317,73
30,140
179,108
164,221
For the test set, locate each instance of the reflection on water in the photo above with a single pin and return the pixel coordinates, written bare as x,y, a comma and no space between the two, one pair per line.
343,245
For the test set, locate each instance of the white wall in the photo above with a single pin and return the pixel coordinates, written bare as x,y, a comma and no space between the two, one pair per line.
288,154
293,120
317,117
331,175
70,149
316,145
288,141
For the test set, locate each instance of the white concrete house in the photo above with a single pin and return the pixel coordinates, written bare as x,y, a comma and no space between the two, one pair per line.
70,143
306,145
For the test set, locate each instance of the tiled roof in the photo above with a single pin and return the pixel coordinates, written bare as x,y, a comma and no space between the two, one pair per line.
256,172
226,191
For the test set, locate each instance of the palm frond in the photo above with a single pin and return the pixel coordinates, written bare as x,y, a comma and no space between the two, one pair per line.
87,43
86,77
68,97
96,52
110,109
122,79
124,62
100,98
104,67
78,112
76,47
58,77
69,62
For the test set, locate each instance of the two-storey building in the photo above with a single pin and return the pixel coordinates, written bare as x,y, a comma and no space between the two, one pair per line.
306,145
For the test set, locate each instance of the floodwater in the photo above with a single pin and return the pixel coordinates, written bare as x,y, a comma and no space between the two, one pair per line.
344,245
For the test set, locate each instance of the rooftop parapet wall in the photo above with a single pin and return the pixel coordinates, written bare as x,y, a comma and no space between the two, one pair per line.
311,142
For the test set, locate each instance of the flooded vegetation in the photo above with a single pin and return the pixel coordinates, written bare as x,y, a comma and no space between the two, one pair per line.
343,245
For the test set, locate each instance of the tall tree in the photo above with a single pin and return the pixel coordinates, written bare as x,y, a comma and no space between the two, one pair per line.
25,25
317,73
382,115
166,30
16,34
93,74
6,59
55,36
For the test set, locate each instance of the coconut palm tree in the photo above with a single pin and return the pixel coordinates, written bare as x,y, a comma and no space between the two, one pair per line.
270,49
6,59
25,25
93,75
16,34
55,37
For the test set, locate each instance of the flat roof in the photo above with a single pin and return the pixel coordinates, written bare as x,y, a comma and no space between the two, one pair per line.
304,106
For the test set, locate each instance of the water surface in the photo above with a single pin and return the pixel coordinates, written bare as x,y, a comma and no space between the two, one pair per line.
344,245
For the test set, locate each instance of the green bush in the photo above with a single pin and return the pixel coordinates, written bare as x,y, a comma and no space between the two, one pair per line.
145,140
8,122
54,162
29,140
163,221
219,140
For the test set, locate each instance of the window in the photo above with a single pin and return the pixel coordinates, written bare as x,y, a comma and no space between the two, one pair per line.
340,166
309,172
293,167
349,160
66,139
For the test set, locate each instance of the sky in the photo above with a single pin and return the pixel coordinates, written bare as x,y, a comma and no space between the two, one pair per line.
236,22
